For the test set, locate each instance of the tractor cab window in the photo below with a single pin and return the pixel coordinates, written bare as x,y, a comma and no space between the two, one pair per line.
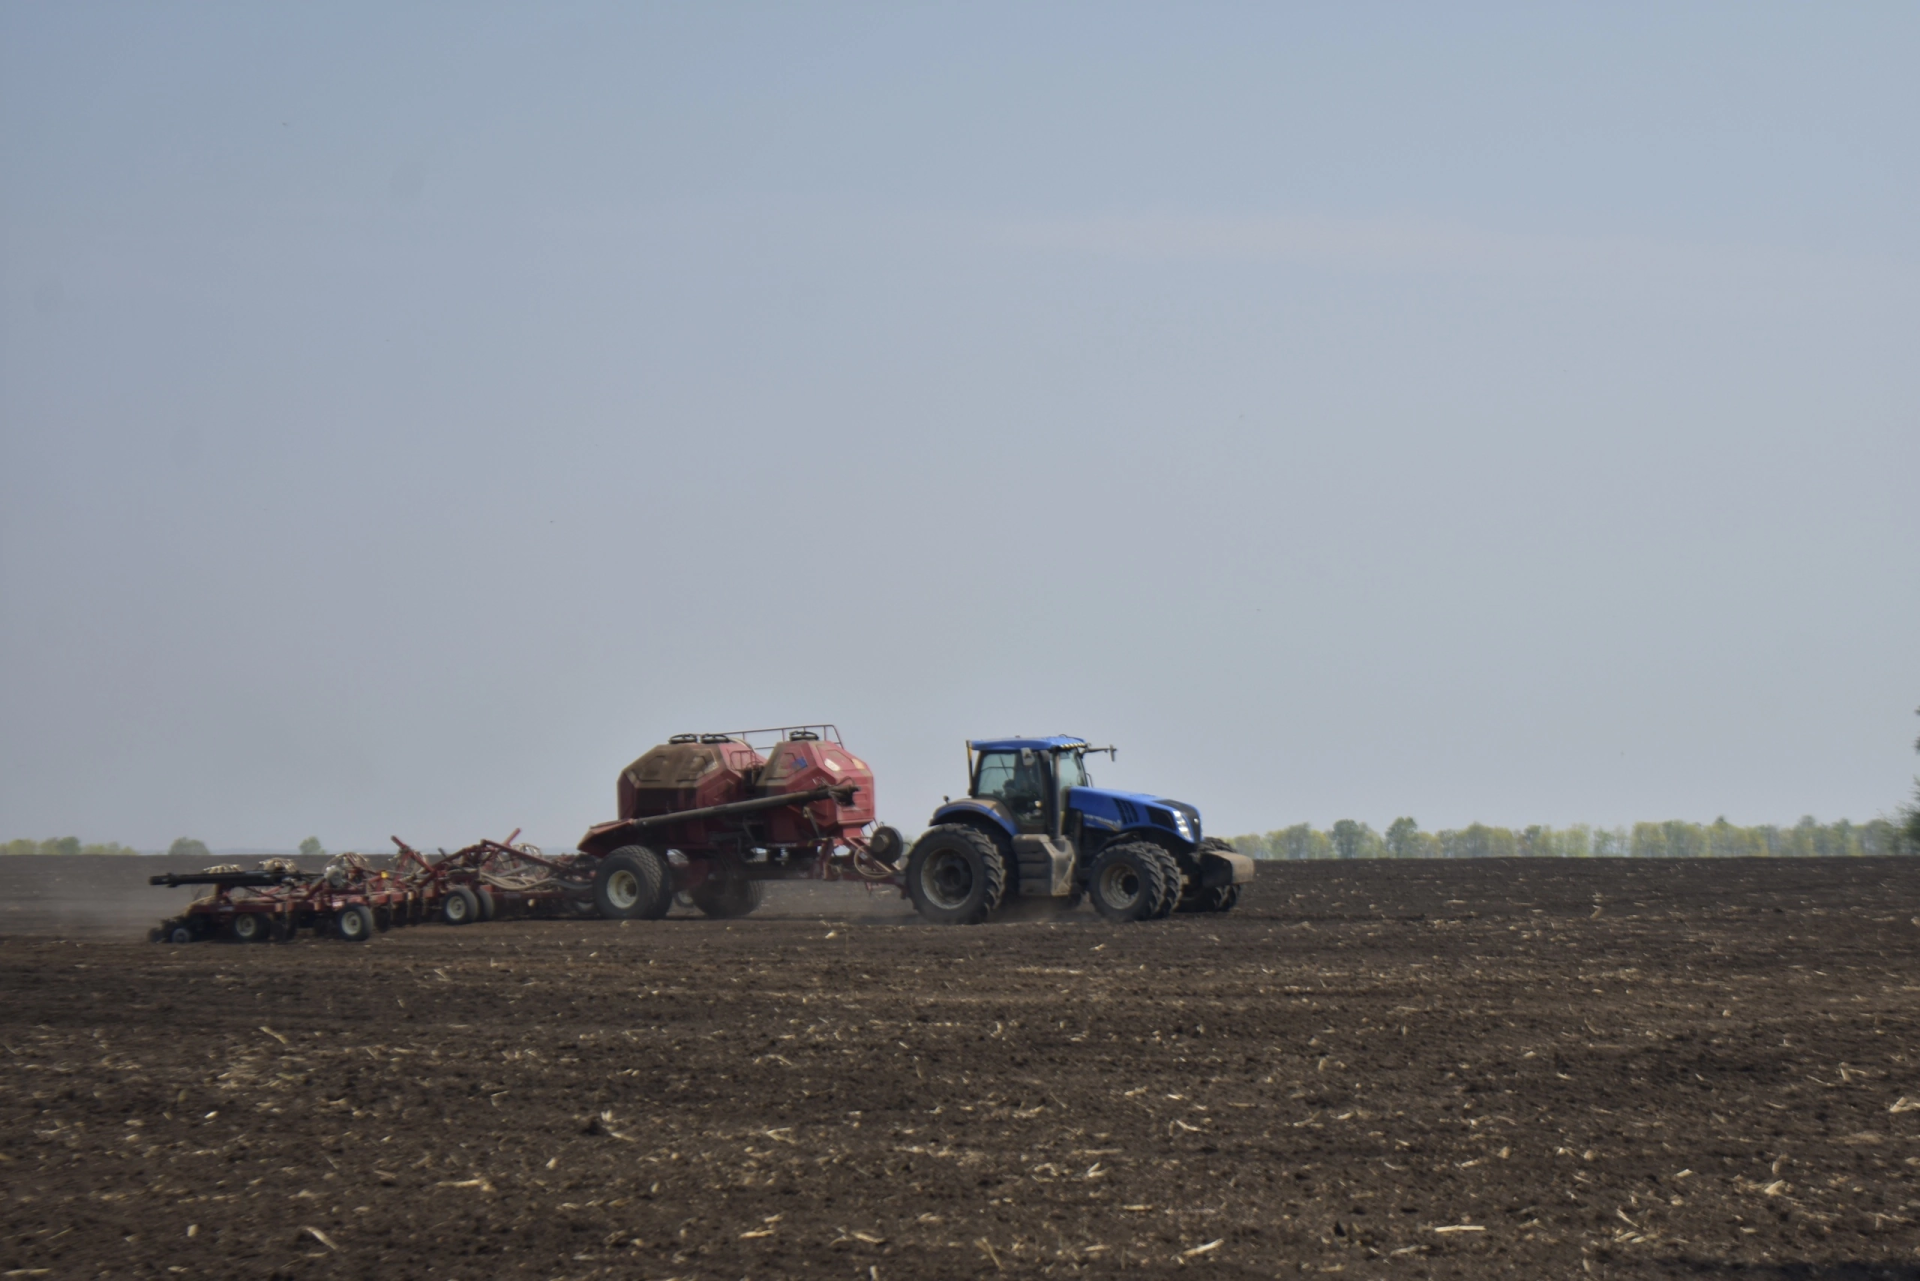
1018,780
1073,770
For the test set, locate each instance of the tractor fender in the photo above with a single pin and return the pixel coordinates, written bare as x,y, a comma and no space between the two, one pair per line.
1221,868
990,816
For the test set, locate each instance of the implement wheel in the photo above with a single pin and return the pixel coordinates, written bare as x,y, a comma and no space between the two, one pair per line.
459,906
1128,881
956,875
249,927
727,897
633,884
354,924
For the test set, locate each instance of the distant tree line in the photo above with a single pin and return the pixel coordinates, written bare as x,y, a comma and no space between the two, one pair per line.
185,847
1719,839
62,845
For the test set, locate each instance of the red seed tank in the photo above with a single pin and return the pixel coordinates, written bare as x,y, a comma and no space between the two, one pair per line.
803,765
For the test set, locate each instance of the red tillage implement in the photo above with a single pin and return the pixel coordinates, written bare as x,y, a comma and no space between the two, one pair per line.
348,900
482,880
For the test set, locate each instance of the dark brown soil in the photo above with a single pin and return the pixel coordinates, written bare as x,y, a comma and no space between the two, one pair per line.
1486,1069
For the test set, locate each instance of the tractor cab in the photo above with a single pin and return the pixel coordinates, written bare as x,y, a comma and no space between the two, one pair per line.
1029,781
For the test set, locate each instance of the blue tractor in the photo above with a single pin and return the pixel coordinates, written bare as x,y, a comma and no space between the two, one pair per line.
1033,825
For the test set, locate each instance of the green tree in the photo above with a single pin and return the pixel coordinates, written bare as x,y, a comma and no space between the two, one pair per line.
1355,840
1403,838
1910,816
311,848
187,847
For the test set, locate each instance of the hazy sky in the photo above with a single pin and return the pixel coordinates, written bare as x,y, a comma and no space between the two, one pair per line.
408,414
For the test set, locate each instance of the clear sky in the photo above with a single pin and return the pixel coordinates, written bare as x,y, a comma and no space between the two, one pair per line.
408,414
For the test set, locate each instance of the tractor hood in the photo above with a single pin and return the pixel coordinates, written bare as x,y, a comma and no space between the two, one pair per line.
1103,808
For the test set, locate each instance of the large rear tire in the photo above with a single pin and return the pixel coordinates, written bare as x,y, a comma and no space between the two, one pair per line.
632,884
1128,881
726,897
956,875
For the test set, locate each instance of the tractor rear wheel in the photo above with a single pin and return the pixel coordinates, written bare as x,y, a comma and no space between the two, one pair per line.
729,896
633,883
1128,881
459,906
956,875
354,924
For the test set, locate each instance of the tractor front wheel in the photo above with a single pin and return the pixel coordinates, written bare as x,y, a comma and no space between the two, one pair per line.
633,883
956,875
1128,882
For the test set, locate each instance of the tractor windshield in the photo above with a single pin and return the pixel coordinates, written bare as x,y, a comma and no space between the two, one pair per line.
1018,781
1073,770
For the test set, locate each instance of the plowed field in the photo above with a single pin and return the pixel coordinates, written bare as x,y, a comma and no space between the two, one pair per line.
1486,1069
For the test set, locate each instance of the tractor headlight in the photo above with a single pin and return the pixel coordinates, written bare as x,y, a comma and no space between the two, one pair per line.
1181,825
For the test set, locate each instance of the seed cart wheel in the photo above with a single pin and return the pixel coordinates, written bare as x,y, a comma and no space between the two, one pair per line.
354,924
728,897
181,933
249,927
460,906
632,884
383,918
485,897
1126,882
956,875
886,844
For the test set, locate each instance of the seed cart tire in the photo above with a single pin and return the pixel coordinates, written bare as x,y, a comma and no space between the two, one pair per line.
249,927
487,908
354,924
1127,881
728,897
460,906
180,934
383,918
956,875
887,845
632,884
